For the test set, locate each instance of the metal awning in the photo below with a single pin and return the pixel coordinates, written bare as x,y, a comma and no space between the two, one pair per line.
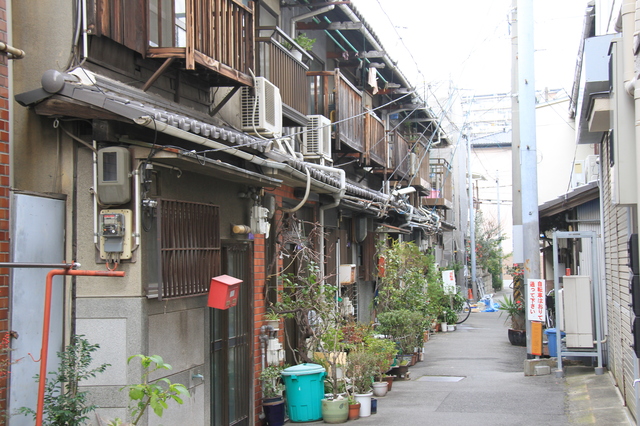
574,198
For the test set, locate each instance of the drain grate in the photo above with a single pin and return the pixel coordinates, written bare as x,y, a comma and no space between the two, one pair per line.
440,379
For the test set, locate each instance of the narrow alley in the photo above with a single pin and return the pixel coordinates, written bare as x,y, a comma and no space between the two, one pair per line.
474,376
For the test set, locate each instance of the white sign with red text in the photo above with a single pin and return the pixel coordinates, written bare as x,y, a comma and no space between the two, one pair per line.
536,303
449,282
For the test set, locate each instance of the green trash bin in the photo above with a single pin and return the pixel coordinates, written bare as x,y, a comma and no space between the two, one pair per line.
304,386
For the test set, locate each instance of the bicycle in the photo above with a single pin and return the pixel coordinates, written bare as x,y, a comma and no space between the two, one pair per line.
461,307
463,311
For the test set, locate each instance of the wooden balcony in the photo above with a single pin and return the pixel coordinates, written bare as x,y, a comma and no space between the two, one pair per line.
217,36
375,141
280,67
442,185
399,158
333,96
422,169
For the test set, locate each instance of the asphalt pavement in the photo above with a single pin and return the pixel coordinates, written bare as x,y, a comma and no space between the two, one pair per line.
474,376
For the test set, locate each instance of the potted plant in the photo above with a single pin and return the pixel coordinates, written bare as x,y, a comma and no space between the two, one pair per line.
308,300
272,401
272,319
354,408
303,42
360,372
515,313
450,317
384,352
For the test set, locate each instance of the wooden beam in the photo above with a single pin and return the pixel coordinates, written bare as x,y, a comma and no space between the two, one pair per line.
341,26
158,73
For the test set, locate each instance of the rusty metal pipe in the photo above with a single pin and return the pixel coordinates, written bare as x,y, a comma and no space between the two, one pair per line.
46,324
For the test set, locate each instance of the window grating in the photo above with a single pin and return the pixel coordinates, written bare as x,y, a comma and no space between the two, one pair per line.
189,247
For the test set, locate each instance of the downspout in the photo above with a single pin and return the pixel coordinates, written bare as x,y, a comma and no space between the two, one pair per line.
46,325
95,194
336,201
311,14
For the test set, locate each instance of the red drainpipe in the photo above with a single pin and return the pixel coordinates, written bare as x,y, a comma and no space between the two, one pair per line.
45,327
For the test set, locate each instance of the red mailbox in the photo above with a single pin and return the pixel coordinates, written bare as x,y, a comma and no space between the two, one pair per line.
223,292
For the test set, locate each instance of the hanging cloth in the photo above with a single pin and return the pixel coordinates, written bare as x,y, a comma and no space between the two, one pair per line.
373,80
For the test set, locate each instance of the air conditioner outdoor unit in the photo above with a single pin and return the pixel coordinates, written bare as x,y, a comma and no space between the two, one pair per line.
316,141
261,108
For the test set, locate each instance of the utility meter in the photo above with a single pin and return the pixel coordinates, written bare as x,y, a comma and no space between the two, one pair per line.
115,235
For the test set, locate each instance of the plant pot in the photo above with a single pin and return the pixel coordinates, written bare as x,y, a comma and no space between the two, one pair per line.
365,403
443,327
380,388
275,324
389,380
273,411
354,411
517,337
451,327
297,54
335,410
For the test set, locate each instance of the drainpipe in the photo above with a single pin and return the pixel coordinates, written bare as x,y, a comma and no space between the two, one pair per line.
336,201
95,194
313,13
47,313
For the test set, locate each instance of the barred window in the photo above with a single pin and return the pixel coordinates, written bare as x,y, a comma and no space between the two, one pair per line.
188,249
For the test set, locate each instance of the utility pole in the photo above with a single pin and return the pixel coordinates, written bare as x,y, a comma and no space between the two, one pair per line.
472,216
527,149
499,224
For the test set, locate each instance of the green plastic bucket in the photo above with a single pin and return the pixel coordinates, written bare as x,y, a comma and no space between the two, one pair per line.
304,386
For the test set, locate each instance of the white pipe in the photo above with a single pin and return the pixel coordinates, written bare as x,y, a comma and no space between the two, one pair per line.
295,19
95,193
306,194
85,48
628,12
137,205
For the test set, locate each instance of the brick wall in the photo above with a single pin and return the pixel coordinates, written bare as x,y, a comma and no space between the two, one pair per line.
4,212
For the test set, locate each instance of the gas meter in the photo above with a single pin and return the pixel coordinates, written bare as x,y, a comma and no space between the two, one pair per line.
115,234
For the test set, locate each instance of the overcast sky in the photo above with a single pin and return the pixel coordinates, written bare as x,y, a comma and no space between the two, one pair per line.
468,42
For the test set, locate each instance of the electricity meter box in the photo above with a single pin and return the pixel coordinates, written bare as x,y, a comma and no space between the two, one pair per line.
115,233
114,165
223,292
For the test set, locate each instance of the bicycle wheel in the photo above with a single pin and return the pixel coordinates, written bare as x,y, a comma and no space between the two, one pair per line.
463,312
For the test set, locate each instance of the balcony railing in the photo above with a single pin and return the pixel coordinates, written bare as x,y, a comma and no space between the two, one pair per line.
280,67
334,96
375,139
215,34
442,185
399,157
421,168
